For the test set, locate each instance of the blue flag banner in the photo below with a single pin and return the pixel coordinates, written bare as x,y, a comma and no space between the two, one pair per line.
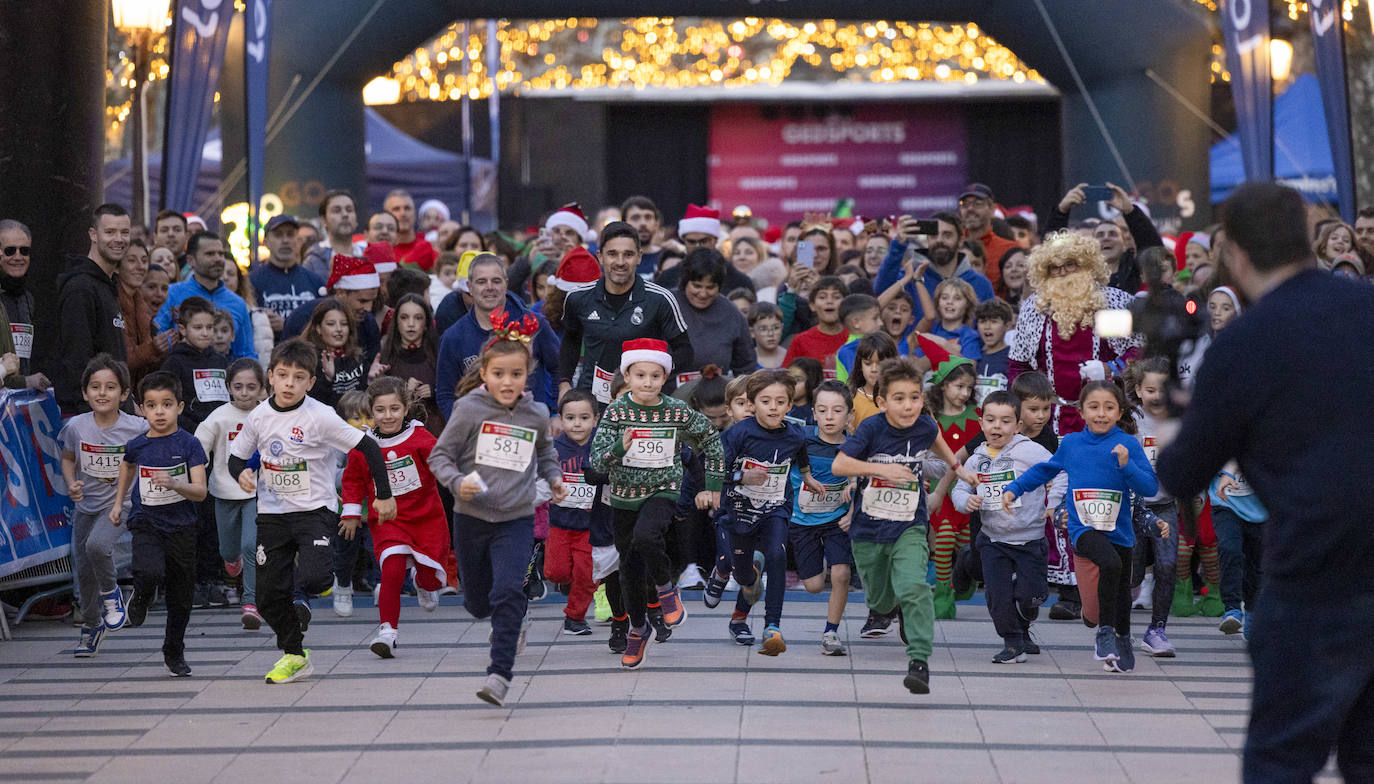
35,511
257,31
200,36
1245,27
1328,41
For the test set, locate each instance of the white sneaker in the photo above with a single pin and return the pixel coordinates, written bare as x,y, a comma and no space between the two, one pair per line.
731,585
343,600
1145,601
384,641
428,599
691,578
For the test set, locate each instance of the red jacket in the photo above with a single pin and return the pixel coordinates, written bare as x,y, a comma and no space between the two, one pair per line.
420,529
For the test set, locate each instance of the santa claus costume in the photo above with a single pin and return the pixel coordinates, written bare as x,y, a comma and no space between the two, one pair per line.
417,540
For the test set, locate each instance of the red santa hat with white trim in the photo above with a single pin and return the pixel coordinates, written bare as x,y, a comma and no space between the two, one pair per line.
577,268
699,220
382,255
352,274
569,215
645,350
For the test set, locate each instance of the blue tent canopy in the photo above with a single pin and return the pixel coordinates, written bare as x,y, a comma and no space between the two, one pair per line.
1302,154
394,160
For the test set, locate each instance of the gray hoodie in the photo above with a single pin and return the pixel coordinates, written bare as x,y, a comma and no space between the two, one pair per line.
510,462
1026,522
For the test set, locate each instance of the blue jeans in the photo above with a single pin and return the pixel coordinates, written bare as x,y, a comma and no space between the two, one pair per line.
1313,685
1164,549
769,537
492,558
1239,547
237,522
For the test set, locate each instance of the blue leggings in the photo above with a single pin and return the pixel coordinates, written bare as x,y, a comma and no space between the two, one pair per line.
768,536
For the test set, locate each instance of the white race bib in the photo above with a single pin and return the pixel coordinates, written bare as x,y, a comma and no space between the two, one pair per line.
773,489
986,385
1151,446
601,384
500,445
651,447
210,386
1241,488
991,487
149,495
683,378
1098,508
831,501
287,480
23,340
403,475
580,494
888,500
101,461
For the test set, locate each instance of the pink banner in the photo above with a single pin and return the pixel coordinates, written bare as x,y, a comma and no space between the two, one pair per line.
891,159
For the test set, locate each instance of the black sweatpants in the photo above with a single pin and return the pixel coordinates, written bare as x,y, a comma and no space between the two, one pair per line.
293,547
639,540
1016,577
167,558
1113,578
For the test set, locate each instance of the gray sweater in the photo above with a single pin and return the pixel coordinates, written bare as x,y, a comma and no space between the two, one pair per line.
1026,522
508,447
720,337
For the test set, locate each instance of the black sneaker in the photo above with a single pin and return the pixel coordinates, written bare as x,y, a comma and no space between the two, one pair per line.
1031,647
177,666
662,631
1064,610
576,628
715,588
534,575
303,615
917,680
739,630
901,624
216,596
138,609
620,631
1008,655
963,576
200,597
876,626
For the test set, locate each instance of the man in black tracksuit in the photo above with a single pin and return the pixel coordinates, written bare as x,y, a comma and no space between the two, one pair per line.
89,320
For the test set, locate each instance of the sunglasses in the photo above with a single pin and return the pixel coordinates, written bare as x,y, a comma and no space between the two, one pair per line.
11,250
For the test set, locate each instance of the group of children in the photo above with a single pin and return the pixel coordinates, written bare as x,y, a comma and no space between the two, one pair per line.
898,467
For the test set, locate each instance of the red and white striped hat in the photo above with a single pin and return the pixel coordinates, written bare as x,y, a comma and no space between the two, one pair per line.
699,220
645,350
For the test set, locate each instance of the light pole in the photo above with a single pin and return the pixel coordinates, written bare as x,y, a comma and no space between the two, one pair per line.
142,21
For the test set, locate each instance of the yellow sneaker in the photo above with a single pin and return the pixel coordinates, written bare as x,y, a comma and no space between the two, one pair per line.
291,667
603,605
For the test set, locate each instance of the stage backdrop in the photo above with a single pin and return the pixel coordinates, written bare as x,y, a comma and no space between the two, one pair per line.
889,159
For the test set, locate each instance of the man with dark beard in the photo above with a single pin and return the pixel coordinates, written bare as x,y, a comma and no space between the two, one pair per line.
946,260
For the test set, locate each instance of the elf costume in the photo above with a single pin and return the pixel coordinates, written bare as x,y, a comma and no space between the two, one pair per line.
1210,605
949,524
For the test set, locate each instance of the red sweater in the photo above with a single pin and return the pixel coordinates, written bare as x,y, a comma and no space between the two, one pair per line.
420,528
817,345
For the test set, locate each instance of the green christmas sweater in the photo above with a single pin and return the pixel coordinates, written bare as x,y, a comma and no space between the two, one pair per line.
652,465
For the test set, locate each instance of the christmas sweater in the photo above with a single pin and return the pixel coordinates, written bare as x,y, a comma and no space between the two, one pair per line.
652,465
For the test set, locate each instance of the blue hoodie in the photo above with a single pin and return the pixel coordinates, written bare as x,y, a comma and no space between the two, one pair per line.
1097,484
891,271
461,346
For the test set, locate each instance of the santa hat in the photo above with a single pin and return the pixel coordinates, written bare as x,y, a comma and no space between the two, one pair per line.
382,256
577,267
192,218
1235,299
433,204
569,215
1181,246
772,234
941,361
699,220
352,274
645,350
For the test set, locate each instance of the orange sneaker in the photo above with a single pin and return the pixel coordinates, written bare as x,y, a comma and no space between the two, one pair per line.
636,645
673,611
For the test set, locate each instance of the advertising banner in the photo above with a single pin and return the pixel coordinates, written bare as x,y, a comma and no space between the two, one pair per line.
34,523
200,31
1245,26
1328,41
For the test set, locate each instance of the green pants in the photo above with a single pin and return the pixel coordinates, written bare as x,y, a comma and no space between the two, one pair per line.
894,577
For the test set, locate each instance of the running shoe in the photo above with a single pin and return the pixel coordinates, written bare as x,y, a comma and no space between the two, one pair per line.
741,632
494,690
231,596
601,605
715,589
576,628
637,644
662,631
691,578
234,568
303,615
1156,643
428,599
876,626
291,667
1105,647
831,645
673,611
114,614
917,680
619,631
138,608
1231,622
251,618
752,593
177,666
1125,661
89,644
1065,610
384,641
343,600
200,596
773,643
1008,655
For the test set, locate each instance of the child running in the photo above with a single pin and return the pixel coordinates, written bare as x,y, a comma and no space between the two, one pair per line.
236,511
819,530
637,444
417,540
1146,383
169,467
495,445
761,452
1011,545
568,554
1104,464
298,438
92,453
888,531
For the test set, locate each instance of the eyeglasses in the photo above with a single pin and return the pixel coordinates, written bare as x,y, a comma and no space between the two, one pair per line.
1060,270
11,250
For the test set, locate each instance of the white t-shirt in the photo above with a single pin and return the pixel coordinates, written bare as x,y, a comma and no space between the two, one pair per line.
299,451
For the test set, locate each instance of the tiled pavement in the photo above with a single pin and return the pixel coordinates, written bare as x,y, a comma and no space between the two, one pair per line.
702,709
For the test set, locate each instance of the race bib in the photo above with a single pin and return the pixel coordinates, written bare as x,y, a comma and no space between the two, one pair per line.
1241,488
149,495
403,475
601,384
1151,446
683,378
505,446
580,494
101,461
888,500
287,480
210,386
773,489
651,447
831,501
23,340
986,385
231,435
1098,508
991,487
